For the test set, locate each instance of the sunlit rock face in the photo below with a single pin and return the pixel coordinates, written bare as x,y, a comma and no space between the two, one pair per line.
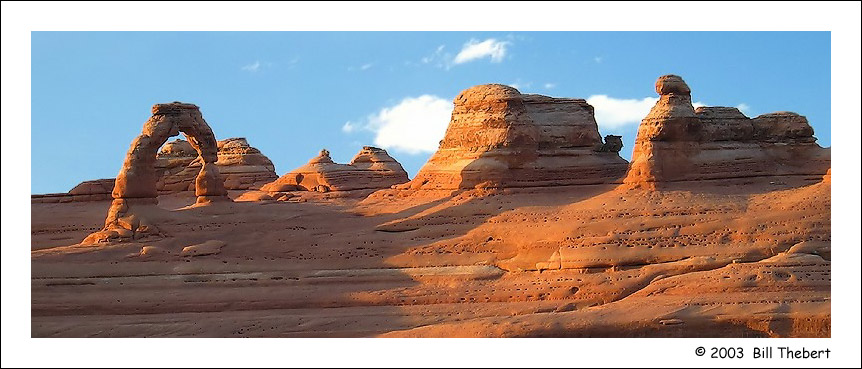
498,137
177,165
242,166
745,256
677,142
135,191
371,168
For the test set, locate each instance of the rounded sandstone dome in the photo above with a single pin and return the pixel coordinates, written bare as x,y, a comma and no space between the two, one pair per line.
489,92
178,147
671,84
781,114
233,143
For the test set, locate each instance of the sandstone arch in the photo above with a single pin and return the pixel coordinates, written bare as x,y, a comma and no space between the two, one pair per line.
137,178
135,185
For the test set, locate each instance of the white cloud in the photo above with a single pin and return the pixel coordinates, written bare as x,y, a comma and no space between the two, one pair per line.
744,108
435,56
365,66
474,49
414,125
612,113
253,67
549,86
520,85
598,59
438,58
349,127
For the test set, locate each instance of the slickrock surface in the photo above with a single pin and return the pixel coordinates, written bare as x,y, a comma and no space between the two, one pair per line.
572,261
494,250
499,138
371,168
675,142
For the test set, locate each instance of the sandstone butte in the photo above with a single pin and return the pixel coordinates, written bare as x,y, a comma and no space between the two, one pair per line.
524,223
499,137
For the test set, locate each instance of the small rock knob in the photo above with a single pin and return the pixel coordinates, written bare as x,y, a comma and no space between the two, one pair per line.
671,84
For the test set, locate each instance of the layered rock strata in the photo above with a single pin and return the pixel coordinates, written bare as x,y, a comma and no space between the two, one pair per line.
371,168
242,166
135,193
677,142
498,137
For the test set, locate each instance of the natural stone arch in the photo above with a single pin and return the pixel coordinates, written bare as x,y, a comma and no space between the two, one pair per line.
137,178
135,185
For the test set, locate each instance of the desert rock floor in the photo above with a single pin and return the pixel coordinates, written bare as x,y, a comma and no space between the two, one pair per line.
736,258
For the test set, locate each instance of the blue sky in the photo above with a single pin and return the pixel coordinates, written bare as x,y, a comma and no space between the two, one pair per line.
293,93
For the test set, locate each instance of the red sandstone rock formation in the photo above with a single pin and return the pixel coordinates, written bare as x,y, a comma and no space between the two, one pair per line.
135,191
699,259
371,168
614,263
500,138
174,166
675,142
242,166
137,178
